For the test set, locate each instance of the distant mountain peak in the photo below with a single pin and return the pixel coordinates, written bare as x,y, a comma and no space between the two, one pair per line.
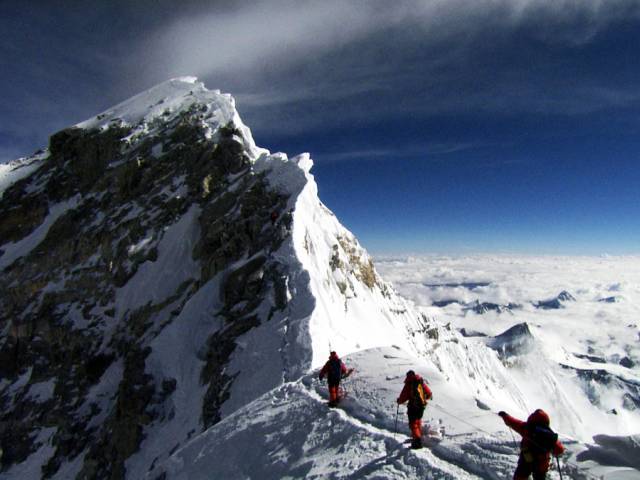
516,340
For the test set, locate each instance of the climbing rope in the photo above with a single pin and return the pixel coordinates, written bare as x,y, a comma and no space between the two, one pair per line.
513,437
491,435
475,427
566,462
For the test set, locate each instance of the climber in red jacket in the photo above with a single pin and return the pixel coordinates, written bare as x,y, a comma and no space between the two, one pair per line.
334,370
538,443
417,392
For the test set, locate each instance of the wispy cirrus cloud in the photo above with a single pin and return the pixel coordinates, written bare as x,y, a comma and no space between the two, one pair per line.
293,65
428,151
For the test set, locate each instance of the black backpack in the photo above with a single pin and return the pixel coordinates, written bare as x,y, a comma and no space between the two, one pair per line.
418,395
542,439
335,370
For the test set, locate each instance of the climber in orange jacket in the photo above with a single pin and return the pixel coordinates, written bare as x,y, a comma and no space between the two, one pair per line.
538,443
334,370
416,392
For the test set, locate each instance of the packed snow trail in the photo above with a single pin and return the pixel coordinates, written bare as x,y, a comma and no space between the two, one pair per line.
291,433
476,438
397,440
381,372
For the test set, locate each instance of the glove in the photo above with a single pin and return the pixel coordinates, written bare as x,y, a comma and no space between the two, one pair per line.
398,401
321,376
502,413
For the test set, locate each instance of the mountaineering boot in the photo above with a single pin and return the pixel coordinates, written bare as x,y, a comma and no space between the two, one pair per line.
333,404
416,443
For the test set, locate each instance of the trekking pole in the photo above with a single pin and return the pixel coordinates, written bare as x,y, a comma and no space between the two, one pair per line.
395,428
513,438
559,470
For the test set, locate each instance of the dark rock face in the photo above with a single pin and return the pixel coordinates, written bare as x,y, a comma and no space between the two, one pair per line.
631,397
627,362
123,431
444,303
552,304
58,309
591,358
609,300
484,307
555,303
517,340
565,296
479,307
471,333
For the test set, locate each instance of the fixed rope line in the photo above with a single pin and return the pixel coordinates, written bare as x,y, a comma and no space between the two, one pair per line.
475,427
513,437
492,435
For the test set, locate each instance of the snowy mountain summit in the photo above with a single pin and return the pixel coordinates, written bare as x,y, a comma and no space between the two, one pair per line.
169,291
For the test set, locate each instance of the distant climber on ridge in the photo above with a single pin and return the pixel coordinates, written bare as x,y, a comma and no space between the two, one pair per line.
538,442
416,392
334,370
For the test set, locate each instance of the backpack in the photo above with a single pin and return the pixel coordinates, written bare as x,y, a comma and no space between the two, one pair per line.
418,395
335,370
542,439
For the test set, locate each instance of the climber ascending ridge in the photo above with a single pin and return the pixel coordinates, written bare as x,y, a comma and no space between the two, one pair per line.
417,392
334,370
538,442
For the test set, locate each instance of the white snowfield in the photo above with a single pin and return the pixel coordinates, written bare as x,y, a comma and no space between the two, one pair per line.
275,423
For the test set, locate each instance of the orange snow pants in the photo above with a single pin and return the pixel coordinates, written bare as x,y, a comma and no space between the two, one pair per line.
415,420
333,393
416,428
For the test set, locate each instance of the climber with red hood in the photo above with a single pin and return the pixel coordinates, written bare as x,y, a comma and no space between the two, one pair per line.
538,443
416,392
334,370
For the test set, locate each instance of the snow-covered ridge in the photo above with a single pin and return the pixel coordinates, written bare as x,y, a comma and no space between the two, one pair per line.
164,102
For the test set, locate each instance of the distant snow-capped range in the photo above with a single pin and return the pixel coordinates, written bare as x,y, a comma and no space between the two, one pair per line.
582,314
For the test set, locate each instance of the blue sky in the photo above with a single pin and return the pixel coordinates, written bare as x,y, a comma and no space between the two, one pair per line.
436,126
